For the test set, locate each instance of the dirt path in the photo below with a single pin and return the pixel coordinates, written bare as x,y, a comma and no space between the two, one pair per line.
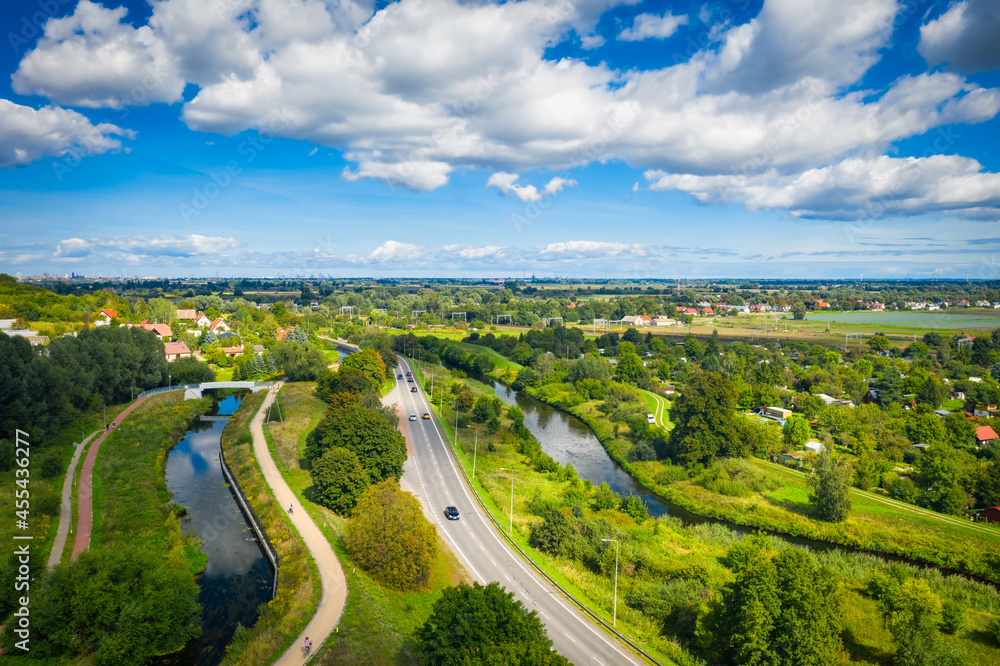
66,506
334,583
85,495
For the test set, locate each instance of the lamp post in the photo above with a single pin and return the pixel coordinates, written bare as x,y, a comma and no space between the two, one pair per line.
511,530
475,450
614,617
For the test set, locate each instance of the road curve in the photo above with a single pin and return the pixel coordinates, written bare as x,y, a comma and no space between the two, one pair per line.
433,473
331,604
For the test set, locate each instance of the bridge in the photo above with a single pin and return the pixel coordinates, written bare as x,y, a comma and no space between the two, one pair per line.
194,391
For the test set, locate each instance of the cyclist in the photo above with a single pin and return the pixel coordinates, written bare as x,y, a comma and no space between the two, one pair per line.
307,646
290,505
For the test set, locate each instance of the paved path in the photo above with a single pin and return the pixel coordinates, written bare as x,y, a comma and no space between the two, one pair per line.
332,579
85,496
66,506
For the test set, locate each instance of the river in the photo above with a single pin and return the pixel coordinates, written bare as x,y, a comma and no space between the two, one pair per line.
237,578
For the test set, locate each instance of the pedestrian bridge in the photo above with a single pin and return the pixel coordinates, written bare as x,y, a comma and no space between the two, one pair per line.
195,391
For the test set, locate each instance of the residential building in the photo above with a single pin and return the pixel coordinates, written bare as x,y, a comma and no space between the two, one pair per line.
219,326
985,436
105,316
990,515
176,350
185,315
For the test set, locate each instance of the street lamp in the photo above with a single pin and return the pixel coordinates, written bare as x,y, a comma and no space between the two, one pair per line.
475,449
614,618
511,530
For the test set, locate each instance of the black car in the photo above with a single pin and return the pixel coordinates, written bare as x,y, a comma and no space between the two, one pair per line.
409,379
451,513
413,389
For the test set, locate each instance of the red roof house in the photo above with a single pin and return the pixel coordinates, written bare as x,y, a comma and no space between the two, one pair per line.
990,515
161,330
985,436
176,350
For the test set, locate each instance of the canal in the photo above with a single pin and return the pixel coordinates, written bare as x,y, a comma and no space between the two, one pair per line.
237,578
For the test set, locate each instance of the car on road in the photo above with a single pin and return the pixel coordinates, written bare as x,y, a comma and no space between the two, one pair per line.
409,379
413,417
399,376
413,389
425,416
409,374
451,513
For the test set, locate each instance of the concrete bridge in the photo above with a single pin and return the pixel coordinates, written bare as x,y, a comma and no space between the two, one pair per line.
194,391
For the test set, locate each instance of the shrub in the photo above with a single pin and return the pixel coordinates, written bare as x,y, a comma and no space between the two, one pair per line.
605,498
50,467
952,617
634,507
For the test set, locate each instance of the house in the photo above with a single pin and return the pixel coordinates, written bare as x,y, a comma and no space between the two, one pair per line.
232,351
871,397
219,326
990,515
258,349
6,324
942,412
664,321
985,436
202,320
777,413
985,412
176,350
161,330
228,335
708,310
105,316
814,446
633,320
645,320
822,304
185,315
282,333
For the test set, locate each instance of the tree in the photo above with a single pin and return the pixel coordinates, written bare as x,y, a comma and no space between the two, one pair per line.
299,362
338,479
483,625
781,609
878,343
589,367
365,432
605,497
798,310
464,400
389,536
190,371
629,368
369,362
633,506
706,419
831,487
913,617
995,370
796,431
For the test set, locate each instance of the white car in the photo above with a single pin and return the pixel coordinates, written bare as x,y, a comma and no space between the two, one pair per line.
413,417
651,418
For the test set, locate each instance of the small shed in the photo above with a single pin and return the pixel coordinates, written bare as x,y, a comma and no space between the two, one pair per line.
797,458
814,446
990,515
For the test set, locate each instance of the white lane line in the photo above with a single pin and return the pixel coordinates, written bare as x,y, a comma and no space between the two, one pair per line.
569,637
598,661
481,548
494,563
604,638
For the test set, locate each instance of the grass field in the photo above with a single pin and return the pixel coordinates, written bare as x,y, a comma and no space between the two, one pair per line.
378,623
501,361
131,500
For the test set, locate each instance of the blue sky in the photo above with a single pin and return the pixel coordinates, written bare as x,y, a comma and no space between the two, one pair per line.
787,138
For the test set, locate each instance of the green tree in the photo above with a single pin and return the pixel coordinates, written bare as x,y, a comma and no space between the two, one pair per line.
389,536
589,367
913,617
629,367
798,310
878,343
464,400
631,505
796,431
831,487
605,497
483,625
706,419
190,371
550,534
369,362
366,433
338,479
299,362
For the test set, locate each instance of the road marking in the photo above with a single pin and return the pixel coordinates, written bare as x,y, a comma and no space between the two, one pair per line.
569,637
542,586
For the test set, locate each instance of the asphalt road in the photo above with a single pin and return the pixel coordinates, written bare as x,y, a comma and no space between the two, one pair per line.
433,473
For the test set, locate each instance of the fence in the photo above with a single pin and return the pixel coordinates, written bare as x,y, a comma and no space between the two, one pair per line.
241,499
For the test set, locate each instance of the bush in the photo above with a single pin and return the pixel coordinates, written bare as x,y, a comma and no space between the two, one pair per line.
50,467
633,506
605,498
952,617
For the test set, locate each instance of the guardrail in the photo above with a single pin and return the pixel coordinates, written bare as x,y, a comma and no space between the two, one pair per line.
205,385
525,556
241,499
164,389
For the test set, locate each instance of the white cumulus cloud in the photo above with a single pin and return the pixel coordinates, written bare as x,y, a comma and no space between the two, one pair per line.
651,26
28,135
966,37
507,184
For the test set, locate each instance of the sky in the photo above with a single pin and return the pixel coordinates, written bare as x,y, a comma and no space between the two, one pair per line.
573,138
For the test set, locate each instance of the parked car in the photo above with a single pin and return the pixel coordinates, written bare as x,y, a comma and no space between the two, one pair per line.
451,513
413,417
651,418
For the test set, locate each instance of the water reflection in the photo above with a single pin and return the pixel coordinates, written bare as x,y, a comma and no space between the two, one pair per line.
237,577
